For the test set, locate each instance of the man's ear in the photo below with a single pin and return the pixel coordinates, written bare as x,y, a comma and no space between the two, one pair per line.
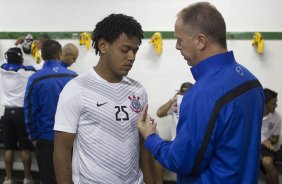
102,45
60,57
201,41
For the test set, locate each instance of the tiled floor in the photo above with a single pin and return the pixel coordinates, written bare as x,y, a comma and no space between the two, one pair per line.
18,177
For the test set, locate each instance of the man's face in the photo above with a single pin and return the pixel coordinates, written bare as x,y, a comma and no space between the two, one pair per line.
186,43
70,58
120,55
271,105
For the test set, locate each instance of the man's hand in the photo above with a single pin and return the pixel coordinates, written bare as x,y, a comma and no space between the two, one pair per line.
146,124
19,41
267,143
34,143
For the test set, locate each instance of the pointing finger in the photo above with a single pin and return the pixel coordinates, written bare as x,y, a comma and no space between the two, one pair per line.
143,113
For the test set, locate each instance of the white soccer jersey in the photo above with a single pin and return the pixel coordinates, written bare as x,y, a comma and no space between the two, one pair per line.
271,125
103,115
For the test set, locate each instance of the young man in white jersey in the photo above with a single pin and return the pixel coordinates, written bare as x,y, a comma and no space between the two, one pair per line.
97,112
270,131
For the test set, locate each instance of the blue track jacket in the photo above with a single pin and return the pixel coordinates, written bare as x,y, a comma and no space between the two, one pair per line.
232,154
41,98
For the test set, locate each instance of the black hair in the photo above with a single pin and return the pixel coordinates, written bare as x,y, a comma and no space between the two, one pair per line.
14,55
185,87
269,95
51,50
111,27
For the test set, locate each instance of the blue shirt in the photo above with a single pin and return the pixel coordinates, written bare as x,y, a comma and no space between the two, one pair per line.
41,98
15,67
232,155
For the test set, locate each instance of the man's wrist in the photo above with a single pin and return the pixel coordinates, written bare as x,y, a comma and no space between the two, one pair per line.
272,141
148,134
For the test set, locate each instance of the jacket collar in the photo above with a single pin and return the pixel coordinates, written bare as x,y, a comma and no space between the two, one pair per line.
52,63
211,63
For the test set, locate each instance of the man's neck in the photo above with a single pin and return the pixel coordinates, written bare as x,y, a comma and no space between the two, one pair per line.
211,51
106,74
266,113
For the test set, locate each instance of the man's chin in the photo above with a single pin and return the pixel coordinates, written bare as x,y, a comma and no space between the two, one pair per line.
189,63
125,73
272,111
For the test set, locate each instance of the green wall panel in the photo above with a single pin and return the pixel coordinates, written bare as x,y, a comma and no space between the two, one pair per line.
147,34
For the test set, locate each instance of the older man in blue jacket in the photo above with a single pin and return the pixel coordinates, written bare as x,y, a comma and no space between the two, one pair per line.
218,133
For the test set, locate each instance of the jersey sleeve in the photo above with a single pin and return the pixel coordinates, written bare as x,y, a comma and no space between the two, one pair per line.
68,109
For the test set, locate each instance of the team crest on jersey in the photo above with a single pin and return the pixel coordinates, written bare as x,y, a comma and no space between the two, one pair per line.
135,103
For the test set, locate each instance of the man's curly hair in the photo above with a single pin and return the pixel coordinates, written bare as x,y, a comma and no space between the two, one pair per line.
111,27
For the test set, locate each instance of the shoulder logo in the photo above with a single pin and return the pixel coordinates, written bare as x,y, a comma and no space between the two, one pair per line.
239,70
55,69
135,103
100,104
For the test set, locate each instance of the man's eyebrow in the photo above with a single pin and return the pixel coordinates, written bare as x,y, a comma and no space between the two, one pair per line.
129,47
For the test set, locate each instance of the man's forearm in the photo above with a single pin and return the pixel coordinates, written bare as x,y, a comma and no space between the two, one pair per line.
162,111
62,157
274,139
63,169
62,166
145,165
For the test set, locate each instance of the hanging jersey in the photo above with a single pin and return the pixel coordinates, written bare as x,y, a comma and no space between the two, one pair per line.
103,116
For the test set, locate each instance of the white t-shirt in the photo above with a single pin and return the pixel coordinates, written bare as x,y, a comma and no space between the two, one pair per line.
103,116
13,87
175,116
271,125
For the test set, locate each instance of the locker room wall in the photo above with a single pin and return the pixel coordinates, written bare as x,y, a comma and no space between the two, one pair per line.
161,75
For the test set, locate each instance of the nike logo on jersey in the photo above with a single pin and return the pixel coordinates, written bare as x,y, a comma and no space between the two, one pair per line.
98,105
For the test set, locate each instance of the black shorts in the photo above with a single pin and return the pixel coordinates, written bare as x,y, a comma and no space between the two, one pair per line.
266,152
14,130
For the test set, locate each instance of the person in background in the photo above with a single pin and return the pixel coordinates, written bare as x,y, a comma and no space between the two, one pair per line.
25,43
98,111
270,132
14,76
42,38
70,54
40,103
170,108
218,133
36,48
33,46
